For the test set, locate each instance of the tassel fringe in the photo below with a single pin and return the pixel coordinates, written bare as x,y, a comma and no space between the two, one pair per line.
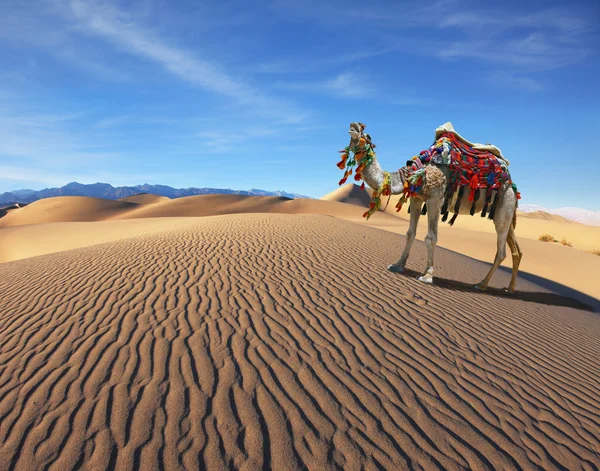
424,210
453,219
461,191
485,208
475,198
493,208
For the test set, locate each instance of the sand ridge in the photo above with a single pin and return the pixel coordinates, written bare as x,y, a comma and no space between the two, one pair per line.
145,198
259,341
71,222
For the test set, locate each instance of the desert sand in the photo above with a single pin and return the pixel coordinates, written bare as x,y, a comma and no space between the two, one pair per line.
223,332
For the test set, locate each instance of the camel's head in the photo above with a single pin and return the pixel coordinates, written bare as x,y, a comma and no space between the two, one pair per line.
356,131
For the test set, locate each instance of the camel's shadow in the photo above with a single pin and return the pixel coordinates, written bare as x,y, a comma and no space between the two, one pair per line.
540,297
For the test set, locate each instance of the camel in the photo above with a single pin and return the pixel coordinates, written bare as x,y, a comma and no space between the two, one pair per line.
433,193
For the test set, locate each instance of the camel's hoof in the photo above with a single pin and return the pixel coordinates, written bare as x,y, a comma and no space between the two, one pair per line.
426,279
395,268
479,287
509,291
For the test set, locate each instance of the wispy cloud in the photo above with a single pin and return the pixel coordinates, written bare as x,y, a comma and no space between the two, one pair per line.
507,80
533,53
541,40
129,120
344,85
15,177
217,141
43,139
120,28
310,63
33,24
350,85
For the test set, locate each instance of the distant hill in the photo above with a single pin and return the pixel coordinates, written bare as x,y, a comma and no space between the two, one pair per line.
546,217
107,191
350,194
583,216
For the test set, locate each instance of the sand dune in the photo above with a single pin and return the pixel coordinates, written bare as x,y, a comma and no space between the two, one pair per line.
17,243
75,208
145,198
65,209
351,194
546,217
472,236
260,341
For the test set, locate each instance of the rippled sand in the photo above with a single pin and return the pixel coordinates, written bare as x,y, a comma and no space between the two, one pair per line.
257,341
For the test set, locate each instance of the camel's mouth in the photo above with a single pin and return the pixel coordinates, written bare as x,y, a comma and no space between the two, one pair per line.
356,131
354,134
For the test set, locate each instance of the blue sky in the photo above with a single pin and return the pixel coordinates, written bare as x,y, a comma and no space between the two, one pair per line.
260,95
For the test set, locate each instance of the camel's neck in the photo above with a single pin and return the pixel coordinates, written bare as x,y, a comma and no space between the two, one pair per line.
373,176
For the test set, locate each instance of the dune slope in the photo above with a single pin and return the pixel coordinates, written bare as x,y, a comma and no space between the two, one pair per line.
65,209
350,194
275,341
145,198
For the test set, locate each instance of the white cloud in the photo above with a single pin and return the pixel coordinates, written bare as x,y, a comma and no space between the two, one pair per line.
544,39
43,139
344,85
224,141
119,28
310,63
535,52
516,82
15,177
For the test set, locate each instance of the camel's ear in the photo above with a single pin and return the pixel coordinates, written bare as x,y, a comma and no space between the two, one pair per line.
362,126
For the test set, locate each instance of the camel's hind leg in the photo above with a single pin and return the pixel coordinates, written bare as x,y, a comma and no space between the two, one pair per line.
415,214
517,255
503,222
500,256
502,228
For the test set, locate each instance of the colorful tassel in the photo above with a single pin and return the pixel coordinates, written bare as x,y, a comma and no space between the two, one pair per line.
474,184
453,219
458,199
485,208
362,187
493,207
475,198
444,208
488,199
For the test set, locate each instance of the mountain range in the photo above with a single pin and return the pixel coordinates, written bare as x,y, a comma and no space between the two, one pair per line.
107,191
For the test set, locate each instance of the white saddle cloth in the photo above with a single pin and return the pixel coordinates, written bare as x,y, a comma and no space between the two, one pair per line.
447,127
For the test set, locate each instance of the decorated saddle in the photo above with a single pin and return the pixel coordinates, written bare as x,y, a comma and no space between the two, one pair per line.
479,168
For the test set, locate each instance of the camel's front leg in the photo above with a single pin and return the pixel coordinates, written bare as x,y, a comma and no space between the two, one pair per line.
415,213
516,258
433,216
